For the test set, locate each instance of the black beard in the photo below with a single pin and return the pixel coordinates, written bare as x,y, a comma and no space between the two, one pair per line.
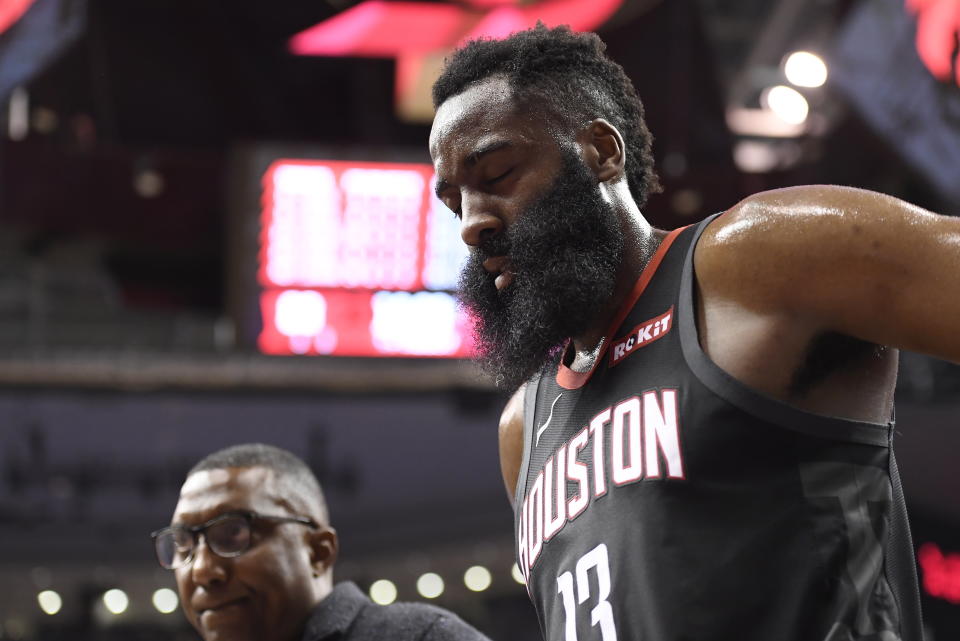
564,253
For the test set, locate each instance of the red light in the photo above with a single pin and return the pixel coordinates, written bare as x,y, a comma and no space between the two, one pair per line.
489,4
411,32
938,27
394,29
11,10
579,15
383,29
941,572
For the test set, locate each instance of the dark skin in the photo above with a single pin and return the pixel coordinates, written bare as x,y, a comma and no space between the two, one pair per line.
775,274
267,593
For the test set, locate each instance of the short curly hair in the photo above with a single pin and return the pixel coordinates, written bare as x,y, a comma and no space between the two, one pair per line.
283,463
569,78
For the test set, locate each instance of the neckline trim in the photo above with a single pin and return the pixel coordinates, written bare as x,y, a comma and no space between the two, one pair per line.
569,379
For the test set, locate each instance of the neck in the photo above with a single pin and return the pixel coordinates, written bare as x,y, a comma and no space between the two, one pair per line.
641,241
322,587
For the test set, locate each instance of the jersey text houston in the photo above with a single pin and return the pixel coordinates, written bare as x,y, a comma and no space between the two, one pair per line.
643,443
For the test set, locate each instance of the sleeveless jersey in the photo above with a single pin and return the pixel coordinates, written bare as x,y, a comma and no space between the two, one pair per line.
659,499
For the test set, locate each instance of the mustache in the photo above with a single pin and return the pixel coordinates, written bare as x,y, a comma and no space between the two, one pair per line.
496,245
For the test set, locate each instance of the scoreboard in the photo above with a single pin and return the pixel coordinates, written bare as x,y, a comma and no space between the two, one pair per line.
358,259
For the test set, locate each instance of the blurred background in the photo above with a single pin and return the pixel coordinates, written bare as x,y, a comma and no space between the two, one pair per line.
215,227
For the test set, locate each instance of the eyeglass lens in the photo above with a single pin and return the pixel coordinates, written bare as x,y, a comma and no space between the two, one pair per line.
226,537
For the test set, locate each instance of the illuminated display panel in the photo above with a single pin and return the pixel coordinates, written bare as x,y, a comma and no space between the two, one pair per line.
358,259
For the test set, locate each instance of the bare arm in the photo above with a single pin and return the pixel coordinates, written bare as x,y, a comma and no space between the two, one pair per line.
843,260
511,441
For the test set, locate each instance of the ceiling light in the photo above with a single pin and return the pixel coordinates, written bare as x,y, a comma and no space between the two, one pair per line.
805,69
788,104
477,578
50,602
165,600
383,592
517,574
116,601
430,585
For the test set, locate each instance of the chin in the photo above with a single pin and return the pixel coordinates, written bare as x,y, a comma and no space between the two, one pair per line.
231,633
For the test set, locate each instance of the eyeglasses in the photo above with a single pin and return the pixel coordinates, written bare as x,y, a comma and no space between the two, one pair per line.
227,535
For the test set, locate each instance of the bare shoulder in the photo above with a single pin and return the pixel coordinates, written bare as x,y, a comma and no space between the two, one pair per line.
776,240
511,441
838,259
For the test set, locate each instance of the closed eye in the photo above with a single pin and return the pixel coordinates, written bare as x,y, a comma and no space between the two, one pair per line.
496,179
489,181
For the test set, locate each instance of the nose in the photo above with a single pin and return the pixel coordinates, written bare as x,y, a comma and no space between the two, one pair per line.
207,569
479,222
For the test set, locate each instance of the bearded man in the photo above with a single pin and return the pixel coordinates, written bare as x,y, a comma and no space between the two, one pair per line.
699,445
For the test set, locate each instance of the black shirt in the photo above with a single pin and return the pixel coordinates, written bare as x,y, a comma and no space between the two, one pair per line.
347,614
659,499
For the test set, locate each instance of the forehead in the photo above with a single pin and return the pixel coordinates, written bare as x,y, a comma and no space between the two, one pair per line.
207,493
483,113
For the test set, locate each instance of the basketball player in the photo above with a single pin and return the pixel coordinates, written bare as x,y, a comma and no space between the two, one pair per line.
699,448
253,552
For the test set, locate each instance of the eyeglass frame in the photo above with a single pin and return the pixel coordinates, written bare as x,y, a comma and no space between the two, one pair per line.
196,530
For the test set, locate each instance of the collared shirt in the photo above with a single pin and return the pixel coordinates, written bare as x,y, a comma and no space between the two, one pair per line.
347,614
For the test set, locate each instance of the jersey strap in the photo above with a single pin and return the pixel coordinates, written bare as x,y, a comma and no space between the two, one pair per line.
752,401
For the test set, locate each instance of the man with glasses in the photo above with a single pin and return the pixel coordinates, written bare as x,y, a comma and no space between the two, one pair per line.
253,552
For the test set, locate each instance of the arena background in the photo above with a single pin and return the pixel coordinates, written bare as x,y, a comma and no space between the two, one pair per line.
159,298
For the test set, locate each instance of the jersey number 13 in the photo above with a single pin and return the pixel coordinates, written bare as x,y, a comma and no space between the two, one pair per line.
577,593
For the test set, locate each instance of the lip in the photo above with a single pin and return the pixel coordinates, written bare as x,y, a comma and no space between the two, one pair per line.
218,607
223,616
499,265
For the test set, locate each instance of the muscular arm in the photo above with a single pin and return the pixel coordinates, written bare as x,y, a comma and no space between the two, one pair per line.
511,441
838,259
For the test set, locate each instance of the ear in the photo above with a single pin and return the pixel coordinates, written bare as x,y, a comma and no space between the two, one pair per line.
603,149
324,547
